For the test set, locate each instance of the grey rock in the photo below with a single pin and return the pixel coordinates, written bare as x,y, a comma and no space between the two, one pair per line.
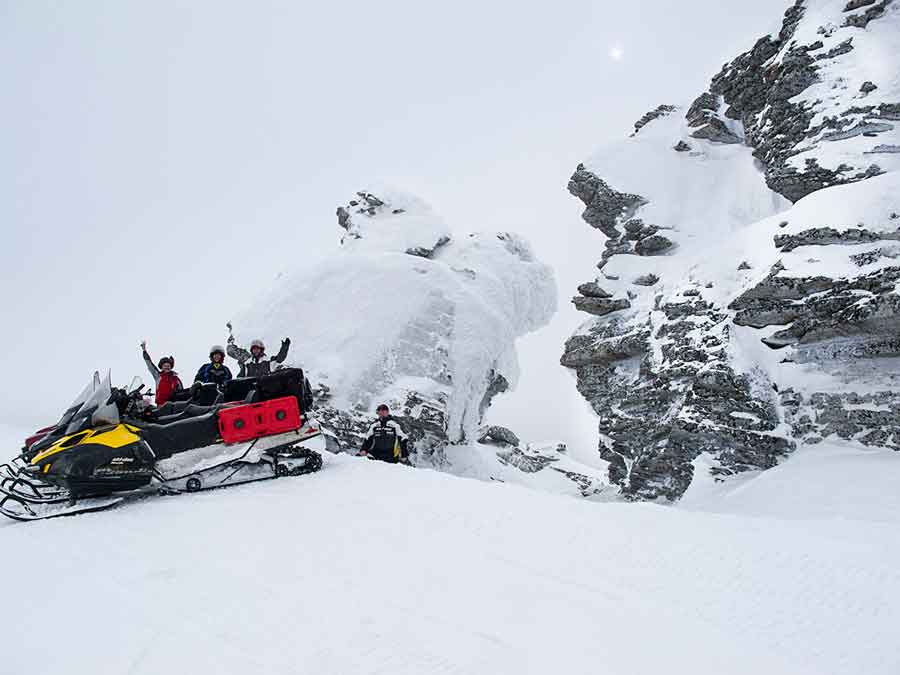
600,306
606,207
841,49
745,266
497,384
822,236
717,131
885,149
681,146
592,289
701,109
868,87
862,20
653,245
646,280
498,434
525,462
655,114
423,252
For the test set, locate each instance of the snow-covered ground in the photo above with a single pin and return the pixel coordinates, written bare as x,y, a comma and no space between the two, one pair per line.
370,568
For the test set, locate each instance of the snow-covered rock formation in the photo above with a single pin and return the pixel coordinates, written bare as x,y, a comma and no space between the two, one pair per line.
408,314
729,325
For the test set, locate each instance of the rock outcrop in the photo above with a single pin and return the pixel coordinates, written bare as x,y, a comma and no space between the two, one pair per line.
692,276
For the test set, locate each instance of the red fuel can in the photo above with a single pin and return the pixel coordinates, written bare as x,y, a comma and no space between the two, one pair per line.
246,422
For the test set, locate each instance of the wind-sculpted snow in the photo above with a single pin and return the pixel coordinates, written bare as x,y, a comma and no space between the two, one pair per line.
708,270
407,314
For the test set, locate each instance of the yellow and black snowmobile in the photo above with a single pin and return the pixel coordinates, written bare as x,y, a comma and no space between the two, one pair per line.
109,445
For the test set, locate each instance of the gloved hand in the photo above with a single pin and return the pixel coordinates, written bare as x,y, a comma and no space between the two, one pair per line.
143,345
195,389
286,342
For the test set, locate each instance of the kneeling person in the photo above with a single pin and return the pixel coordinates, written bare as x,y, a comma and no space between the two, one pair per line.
385,439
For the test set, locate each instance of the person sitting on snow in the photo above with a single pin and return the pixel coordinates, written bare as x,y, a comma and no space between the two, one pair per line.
215,371
255,363
164,376
385,439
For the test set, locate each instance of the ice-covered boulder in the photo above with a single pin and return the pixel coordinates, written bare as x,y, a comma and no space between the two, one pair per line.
406,313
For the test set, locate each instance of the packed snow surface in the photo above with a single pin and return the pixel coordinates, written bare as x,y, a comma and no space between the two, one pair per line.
374,568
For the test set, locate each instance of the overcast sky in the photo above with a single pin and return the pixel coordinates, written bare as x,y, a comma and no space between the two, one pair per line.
161,161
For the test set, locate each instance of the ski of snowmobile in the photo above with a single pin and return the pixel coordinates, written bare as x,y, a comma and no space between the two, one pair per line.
22,510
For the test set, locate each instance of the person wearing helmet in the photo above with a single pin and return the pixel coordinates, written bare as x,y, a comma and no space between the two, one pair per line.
164,376
255,363
385,439
215,371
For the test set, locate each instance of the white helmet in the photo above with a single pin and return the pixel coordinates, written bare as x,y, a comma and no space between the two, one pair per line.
257,343
217,348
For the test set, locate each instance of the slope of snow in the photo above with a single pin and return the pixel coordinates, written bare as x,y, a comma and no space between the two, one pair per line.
374,568
825,481
701,199
372,315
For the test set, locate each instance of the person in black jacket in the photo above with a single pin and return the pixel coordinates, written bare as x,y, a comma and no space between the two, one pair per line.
256,362
385,439
215,371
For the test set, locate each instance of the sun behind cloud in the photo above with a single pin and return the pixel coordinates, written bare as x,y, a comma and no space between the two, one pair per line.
616,53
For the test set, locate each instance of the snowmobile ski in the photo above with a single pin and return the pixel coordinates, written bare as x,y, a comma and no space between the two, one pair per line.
24,511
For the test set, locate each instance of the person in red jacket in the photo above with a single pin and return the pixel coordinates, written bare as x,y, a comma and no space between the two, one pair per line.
164,376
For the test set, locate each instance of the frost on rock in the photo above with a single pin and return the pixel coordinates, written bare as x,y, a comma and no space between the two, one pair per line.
408,314
732,325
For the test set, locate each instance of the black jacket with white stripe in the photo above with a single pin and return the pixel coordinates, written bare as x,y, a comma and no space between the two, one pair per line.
386,440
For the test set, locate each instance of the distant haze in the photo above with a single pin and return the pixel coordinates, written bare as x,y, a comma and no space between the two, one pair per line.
163,161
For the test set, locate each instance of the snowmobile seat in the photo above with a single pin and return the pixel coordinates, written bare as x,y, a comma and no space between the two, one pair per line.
284,382
242,389
206,394
184,434
190,410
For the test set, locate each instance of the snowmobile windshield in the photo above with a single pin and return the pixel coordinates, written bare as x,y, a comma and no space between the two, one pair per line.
98,397
135,386
79,400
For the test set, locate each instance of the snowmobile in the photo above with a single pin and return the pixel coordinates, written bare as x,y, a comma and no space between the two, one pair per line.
110,445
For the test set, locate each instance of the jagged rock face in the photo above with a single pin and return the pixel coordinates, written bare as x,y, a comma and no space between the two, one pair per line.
605,206
871,419
658,413
655,114
687,282
788,120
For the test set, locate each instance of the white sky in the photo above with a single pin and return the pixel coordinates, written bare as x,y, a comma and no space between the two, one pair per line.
161,161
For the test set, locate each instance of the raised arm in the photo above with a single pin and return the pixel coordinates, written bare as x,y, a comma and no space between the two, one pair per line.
154,371
237,353
282,353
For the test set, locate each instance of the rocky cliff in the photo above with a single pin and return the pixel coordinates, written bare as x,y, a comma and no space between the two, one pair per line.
726,322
